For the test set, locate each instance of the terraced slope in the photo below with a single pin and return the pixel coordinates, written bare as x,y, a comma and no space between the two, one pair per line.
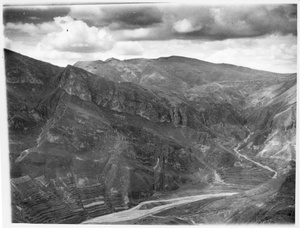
138,130
101,154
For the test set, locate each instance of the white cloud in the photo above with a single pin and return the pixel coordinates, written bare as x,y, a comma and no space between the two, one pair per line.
284,52
128,48
77,36
48,54
140,33
271,53
184,26
32,29
7,43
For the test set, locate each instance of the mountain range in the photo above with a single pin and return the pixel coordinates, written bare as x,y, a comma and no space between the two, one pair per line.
92,141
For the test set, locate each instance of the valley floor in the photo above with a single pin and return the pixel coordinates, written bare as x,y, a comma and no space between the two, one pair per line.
149,208
179,204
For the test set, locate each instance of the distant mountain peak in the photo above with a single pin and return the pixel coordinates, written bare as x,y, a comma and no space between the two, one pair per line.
178,57
112,59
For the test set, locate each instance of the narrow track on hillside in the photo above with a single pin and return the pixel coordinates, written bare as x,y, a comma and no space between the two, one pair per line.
236,152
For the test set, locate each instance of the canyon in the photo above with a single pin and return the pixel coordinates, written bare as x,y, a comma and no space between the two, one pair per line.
172,140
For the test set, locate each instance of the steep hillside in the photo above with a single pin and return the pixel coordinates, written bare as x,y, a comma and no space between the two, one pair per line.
271,116
176,73
96,144
219,92
27,82
119,141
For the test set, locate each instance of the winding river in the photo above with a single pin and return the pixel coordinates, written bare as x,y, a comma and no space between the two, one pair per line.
140,211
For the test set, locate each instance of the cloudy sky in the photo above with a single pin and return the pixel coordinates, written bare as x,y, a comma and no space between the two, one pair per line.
257,36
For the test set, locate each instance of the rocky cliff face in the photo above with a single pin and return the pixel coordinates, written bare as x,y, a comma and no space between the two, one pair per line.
272,118
93,144
99,151
26,86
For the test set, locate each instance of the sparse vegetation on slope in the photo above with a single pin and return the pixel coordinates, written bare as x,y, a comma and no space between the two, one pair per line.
101,137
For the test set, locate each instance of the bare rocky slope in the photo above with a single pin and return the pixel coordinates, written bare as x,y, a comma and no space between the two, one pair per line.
100,137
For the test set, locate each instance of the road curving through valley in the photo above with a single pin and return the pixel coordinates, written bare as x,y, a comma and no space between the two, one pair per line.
249,159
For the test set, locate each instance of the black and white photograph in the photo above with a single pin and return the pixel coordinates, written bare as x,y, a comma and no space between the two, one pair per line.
149,113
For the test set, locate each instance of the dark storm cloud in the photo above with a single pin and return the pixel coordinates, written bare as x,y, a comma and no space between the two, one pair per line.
133,18
119,17
133,22
223,22
32,14
241,22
